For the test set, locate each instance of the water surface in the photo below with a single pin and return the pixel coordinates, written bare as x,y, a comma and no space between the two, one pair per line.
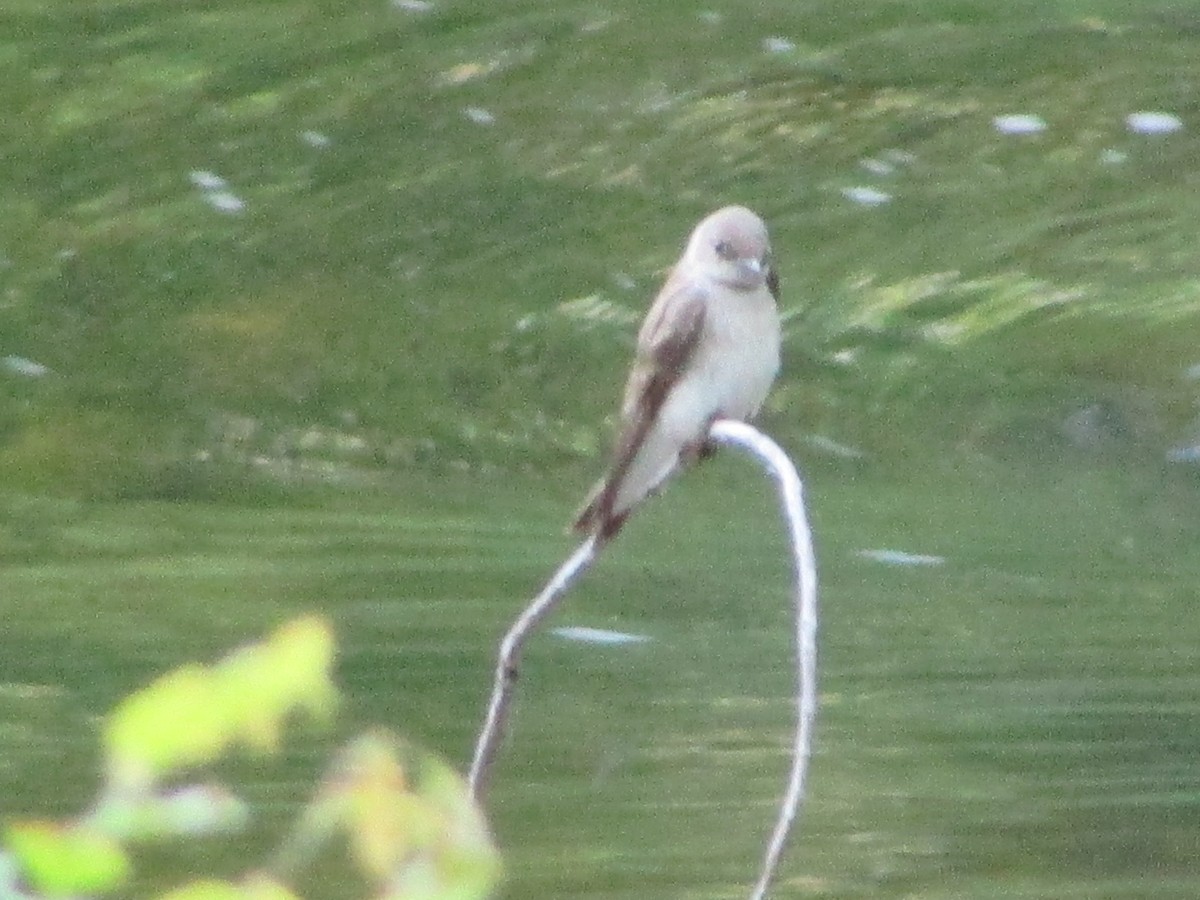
316,307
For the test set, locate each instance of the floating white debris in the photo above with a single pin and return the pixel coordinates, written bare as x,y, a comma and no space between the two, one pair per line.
479,116
710,17
215,192
315,139
828,445
413,6
901,558
224,201
208,181
598,636
899,157
877,166
866,196
624,281
1112,157
1189,454
778,45
1019,123
1192,372
1152,123
19,365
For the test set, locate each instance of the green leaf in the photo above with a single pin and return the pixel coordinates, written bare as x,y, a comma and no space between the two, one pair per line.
252,888
411,824
192,716
66,860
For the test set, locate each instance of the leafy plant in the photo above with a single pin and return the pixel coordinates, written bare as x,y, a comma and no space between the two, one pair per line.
410,826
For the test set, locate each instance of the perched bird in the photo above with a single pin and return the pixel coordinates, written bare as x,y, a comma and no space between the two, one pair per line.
707,350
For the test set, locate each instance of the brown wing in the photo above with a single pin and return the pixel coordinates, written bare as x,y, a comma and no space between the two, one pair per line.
773,282
666,343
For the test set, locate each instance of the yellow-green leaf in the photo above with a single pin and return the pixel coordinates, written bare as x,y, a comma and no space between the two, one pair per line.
66,860
410,822
191,716
173,723
256,887
262,684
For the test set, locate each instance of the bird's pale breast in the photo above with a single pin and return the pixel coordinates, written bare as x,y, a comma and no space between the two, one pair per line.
742,357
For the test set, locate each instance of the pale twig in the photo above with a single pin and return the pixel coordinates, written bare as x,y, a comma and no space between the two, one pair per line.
509,660
777,463
791,493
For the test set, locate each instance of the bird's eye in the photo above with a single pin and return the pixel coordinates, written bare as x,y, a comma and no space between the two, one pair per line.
725,250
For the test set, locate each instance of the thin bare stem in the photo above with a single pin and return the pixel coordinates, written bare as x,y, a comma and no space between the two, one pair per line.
791,493
508,662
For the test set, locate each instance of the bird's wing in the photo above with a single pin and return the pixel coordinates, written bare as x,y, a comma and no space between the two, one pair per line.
666,344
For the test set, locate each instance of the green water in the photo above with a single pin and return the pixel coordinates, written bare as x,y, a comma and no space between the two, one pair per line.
379,386
1019,721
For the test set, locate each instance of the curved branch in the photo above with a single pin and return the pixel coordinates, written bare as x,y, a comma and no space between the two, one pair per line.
508,662
791,492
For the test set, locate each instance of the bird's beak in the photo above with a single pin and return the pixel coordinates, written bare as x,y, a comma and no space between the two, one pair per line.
752,267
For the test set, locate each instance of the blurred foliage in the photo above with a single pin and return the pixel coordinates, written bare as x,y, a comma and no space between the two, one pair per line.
252,888
412,829
65,860
195,714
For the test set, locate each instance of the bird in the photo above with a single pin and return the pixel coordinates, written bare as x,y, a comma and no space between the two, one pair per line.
708,349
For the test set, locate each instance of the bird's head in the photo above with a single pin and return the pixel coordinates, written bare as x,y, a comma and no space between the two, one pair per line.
731,247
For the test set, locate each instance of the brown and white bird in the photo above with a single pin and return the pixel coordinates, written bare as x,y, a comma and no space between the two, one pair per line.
708,349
